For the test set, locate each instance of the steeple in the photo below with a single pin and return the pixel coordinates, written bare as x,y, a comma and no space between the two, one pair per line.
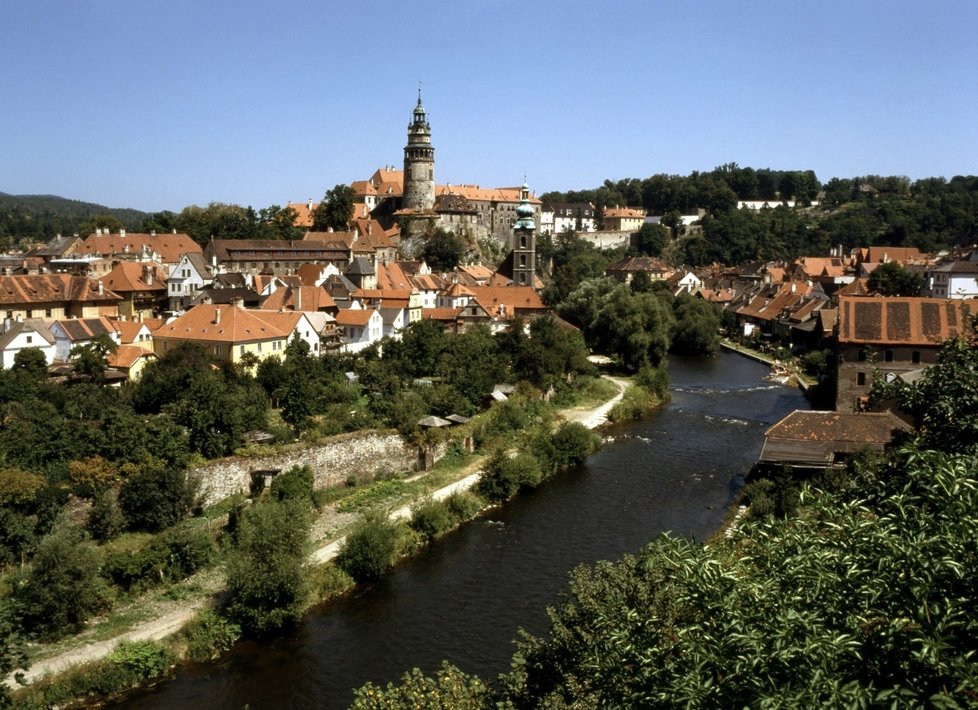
419,162
524,240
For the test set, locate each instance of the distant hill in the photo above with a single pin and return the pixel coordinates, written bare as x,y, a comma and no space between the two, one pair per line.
42,217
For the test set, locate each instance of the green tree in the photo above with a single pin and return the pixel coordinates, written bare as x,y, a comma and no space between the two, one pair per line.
90,359
334,211
697,328
891,279
370,548
449,689
63,588
443,250
155,496
32,362
633,327
267,579
652,239
13,652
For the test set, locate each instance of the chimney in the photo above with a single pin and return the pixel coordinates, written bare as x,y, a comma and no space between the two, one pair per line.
122,232
101,288
297,298
217,315
174,230
152,232
8,323
149,273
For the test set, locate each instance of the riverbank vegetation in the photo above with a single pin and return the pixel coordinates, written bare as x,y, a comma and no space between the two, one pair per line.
857,593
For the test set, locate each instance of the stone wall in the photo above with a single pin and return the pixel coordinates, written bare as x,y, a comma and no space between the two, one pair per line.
359,454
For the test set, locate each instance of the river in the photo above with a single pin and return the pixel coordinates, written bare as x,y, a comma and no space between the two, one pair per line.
464,598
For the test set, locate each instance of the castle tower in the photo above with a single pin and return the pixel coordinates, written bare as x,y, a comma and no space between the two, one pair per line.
524,241
419,163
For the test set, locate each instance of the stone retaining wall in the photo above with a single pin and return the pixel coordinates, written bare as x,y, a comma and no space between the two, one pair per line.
360,454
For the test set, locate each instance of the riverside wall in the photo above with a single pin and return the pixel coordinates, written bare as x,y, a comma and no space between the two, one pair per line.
359,454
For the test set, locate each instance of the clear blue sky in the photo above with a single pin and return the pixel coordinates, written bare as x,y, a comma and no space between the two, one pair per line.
160,104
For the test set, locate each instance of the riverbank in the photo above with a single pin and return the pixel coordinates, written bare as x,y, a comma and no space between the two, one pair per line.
169,616
784,372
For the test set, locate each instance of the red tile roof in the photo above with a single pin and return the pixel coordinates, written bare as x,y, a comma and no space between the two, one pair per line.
170,247
51,288
134,277
222,323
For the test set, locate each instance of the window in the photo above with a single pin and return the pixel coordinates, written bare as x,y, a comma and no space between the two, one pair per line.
29,313
888,356
30,339
863,354
861,379
218,349
47,312
915,357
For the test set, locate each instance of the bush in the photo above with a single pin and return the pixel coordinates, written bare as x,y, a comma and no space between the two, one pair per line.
654,380
431,518
171,556
503,476
294,484
330,581
143,659
464,505
635,404
573,443
106,521
209,635
62,589
155,496
370,549
267,581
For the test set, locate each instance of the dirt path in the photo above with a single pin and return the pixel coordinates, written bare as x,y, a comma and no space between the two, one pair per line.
328,525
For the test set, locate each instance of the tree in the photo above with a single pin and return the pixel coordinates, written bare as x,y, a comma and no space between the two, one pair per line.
891,279
334,211
63,587
443,250
154,496
697,328
13,652
633,327
267,580
90,359
369,550
652,239
32,362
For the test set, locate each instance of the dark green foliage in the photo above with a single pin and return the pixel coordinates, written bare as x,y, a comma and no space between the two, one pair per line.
503,476
548,355
464,505
209,635
575,260
267,581
654,379
369,550
944,402
156,496
13,653
105,521
334,210
431,518
62,588
891,279
174,555
448,689
573,443
817,608
697,328
17,536
42,217
651,239
295,484
815,363
443,250
633,327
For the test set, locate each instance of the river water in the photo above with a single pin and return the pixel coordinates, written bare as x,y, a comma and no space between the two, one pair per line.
464,598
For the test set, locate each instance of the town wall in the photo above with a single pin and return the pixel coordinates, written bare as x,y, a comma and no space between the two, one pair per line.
359,454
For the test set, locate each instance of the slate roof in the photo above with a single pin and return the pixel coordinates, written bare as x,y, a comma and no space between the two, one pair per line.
85,329
903,321
360,267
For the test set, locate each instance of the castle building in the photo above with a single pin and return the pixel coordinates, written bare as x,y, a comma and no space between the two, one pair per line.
419,164
412,197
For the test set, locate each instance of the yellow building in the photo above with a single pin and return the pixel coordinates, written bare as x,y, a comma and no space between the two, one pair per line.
226,332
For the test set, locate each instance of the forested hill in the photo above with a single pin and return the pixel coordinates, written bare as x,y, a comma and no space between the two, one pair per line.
42,217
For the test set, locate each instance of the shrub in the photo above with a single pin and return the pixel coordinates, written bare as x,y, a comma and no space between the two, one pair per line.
464,505
155,496
143,659
431,518
573,443
294,484
370,549
105,521
503,476
63,588
209,635
171,556
330,581
267,581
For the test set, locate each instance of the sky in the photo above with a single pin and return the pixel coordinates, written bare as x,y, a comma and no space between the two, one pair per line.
156,105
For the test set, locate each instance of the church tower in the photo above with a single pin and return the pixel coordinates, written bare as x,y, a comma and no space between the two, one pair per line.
524,241
419,163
